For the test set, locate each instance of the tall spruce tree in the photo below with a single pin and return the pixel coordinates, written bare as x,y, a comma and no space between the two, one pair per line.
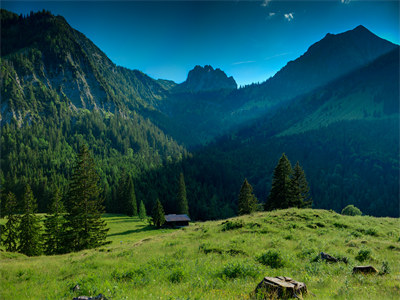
130,203
29,228
247,202
280,194
158,214
142,211
300,192
183,207
84,227
10,234
54,222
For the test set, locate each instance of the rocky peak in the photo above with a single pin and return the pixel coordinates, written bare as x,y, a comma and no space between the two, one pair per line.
207,79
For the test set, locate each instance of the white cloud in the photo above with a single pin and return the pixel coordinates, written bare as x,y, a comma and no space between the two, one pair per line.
265,3
345,1
289,17
244,62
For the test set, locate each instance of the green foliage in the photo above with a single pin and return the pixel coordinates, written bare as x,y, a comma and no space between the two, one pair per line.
279,196
142,211
289,187
237,269
183,207
231,225
247,202
84,226
271,258
351,210
126,196
54,225
363,255
300,192
177,275
158,217
10,234
29,229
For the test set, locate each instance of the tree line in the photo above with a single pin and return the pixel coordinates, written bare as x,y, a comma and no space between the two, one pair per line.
75,226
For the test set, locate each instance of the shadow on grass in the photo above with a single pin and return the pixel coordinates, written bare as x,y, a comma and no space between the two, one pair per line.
143,229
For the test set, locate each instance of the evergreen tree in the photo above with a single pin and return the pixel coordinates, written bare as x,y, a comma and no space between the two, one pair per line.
84,227
142,211
280,194
10,234
183,207
300,192
53,237
130,203
29,228
120,194
158,214
247,202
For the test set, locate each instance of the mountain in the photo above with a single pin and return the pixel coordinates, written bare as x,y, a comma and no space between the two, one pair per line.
206,115
202,79
330,58
345,134
59,91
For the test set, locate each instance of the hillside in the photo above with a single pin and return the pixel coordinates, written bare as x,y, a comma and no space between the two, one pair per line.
209,115
59,91
345,135
219,259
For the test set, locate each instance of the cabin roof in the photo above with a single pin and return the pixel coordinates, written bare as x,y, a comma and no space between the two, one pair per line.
176,218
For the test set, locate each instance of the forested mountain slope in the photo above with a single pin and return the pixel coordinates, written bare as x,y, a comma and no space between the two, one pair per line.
59,91
208,114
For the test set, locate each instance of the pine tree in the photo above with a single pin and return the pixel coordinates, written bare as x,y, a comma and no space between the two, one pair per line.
84,227
29,228
158,214
142,211
129,200
300,192
247,202
54,222
280,194
10,234
183,207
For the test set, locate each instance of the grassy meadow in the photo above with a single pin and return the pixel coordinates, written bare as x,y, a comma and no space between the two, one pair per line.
223,259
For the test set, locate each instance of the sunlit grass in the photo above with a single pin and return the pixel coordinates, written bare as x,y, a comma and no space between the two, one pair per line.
211,260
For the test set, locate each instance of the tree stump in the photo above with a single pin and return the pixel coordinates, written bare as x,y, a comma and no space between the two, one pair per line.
365,270
279,287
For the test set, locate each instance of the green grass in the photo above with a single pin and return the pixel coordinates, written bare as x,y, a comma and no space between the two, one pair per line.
213,260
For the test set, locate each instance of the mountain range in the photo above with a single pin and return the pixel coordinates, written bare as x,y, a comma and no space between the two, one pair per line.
335,109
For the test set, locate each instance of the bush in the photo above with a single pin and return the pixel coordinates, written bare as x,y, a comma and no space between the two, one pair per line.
351,210
177,275
363,255
230,225
272,259
235,270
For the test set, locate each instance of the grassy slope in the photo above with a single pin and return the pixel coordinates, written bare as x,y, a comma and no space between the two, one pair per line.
204,262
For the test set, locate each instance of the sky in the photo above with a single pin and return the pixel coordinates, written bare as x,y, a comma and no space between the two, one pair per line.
249,40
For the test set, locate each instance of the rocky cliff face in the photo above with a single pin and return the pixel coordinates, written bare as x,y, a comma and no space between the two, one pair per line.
206,79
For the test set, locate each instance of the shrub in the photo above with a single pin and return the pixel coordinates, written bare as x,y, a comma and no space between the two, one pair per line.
363,255
177,275
235,270
351,210
230,225
385,269
272,259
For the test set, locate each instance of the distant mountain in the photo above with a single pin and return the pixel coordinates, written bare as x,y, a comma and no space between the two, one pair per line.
207,115
202,79
330,58
345,134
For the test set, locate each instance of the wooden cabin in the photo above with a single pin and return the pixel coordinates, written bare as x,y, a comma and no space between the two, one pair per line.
177,220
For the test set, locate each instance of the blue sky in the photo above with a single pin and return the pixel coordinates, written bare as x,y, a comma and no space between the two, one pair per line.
249,40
